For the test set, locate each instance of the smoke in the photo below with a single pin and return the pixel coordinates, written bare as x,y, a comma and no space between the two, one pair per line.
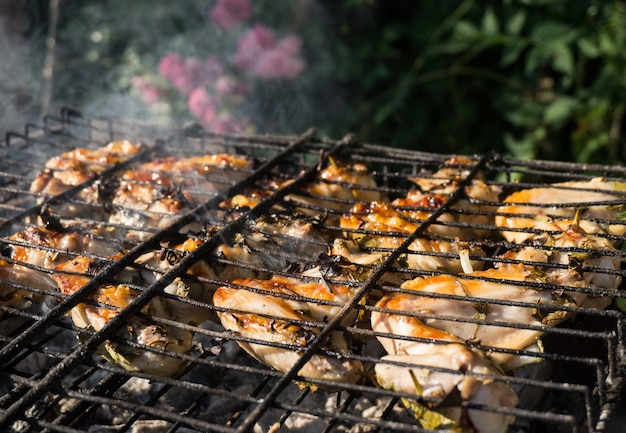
107,54
17,101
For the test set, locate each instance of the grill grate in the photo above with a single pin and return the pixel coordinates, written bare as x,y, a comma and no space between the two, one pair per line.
275,219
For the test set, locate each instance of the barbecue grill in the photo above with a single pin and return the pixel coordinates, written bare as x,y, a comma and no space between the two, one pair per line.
54,376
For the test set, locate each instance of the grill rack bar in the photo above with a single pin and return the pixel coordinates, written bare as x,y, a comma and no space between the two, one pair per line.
609,338
105,333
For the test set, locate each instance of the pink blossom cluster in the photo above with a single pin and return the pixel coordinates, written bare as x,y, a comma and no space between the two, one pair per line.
211,93
213,88
227,14
206,107
261,54
187,74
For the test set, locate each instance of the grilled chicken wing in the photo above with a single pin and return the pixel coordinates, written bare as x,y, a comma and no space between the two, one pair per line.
152,196
337,187
434,364
212,172
47,248
77,166
470,217
275,314
598,203
106,302
23,288
144,207
512,280
381,222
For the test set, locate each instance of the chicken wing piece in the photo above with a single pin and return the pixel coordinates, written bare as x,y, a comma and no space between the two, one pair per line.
468,219
157,192
337,187
471,216
141,207
599,204
211,172
562,262
376,223
275,314
47,248
446,179
79,165
23,288
434,364
108,300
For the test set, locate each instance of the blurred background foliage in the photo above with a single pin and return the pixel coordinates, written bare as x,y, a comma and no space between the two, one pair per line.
527,78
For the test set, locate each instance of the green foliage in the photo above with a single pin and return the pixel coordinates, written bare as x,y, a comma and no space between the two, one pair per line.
528,78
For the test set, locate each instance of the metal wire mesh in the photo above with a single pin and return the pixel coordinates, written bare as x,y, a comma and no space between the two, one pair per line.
274,218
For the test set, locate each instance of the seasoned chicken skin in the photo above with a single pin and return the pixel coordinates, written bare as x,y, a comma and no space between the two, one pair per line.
471,216
512,280
275,312
337,187
109,299
438,365
426,254
79,165
47,248
598,203
157,192
23,288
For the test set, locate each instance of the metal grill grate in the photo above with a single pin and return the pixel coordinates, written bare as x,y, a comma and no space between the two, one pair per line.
273,218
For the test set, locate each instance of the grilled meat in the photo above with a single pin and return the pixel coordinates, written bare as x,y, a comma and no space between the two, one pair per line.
442,296
434,364
79,165
155,194
23,288
388,228
337,187
528,208
471,217
106,302
276,314
47,248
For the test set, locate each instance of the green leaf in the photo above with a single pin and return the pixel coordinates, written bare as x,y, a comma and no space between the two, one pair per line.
523,149
429,419
516,22
563,59
552,31
534,60
490,23
466,29
560,109
588,48
512,52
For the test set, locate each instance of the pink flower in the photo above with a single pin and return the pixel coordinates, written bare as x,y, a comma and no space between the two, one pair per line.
213,68
225,85
290,44
202,105
190,73
226,14
256,40
259,53
171,65
149,92
276,64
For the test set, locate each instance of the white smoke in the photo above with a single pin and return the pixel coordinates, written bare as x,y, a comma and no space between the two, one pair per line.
17,101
